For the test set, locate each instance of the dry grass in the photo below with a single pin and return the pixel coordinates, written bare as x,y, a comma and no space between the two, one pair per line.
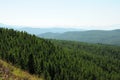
9,72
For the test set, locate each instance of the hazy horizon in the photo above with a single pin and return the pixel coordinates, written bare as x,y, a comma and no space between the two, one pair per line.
111,27
85,14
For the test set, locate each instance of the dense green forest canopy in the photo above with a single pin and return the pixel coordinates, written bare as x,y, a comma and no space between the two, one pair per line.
92,36
60,60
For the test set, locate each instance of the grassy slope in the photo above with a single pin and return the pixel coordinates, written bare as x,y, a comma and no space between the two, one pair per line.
9,72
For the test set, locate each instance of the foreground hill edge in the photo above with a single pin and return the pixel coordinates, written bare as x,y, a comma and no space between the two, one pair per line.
9,72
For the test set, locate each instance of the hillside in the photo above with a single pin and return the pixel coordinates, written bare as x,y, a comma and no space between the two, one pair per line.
25,51
92,36
9,72
59,60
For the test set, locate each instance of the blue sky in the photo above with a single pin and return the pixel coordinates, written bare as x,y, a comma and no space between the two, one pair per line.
65,13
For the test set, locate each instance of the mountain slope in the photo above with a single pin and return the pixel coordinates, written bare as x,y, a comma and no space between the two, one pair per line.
92,36
59,60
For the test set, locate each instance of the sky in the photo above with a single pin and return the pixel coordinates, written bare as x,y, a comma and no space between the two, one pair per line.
99,14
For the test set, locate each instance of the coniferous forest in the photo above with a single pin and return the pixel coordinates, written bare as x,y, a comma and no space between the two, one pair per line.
59,60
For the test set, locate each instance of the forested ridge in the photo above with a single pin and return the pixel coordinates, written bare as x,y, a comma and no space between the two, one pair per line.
111,37
60,60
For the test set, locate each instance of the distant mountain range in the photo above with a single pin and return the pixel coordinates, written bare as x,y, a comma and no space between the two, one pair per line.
45,30
92,36
37,31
